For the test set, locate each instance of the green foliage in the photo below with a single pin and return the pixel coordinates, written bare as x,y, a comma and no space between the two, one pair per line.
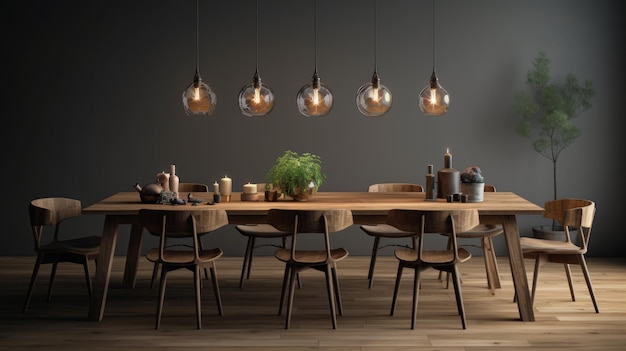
293,172
546,111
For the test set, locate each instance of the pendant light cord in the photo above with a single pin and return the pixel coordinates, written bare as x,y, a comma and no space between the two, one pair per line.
315,37
434,36
197,36
375,35
257,36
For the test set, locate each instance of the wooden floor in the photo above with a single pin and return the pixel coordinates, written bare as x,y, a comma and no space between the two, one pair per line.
251,321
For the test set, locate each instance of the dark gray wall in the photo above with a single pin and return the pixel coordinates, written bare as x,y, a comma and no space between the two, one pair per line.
92,99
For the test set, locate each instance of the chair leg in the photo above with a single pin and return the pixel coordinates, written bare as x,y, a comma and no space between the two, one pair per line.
416,284
491,265
583,266
331,298
283,289
33,278
339,304
292,288
459,296
52,276
370,274
155,271
196,285
245,268
216,289
162,284
395,289
570,282
200,247
87,275
538,262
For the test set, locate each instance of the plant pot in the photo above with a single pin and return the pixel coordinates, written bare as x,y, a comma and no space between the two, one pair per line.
474,191
271,195
302,195
547,232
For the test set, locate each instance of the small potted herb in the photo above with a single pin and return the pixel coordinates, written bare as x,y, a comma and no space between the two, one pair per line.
473,184
296,175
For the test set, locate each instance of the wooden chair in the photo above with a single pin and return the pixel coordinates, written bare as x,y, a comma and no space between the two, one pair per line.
48,213
183,188
379,231
421,258
177,225
570,213
485,232
254,232
308,222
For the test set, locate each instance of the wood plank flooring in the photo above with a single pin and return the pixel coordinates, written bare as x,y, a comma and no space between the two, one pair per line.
250,320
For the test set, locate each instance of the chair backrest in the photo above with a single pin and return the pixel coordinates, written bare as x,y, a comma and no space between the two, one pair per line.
51,211
576,213
423,222
490,188
193,187
310,221
395,187
180,224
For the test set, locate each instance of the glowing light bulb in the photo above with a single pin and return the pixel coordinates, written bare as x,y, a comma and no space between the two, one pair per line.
316,97
196,93
375,95
256,99
433,96
257,96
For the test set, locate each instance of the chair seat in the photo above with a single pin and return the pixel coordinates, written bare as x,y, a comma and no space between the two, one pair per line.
311,256
482,231
385,231
531,245
89,245
432,257
260,230
184,256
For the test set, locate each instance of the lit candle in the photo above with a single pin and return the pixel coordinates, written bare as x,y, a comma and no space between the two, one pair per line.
447,159
249,188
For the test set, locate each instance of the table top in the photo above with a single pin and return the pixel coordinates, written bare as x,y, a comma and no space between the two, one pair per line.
361,203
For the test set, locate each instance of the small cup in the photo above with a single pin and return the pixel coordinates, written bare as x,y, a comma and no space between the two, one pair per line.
464,198
456,197
449,198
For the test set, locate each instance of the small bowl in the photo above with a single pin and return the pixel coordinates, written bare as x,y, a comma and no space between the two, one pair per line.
149,198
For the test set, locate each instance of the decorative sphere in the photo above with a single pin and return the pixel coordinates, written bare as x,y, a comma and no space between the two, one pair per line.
256,101
314,101
199,99
373,101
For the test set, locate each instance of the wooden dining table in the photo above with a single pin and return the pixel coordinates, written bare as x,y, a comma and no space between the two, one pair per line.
367,208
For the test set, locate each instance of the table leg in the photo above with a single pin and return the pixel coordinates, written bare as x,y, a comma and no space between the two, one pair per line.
518,270
132,256
103,269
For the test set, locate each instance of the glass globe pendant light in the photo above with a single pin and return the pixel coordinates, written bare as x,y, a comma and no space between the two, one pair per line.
256,99
374,99
314,99
198,98
434,100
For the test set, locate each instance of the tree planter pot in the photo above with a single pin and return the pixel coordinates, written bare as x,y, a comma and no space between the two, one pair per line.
474,191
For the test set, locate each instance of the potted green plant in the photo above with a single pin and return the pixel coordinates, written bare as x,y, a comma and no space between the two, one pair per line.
546,110
473,184
296,175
